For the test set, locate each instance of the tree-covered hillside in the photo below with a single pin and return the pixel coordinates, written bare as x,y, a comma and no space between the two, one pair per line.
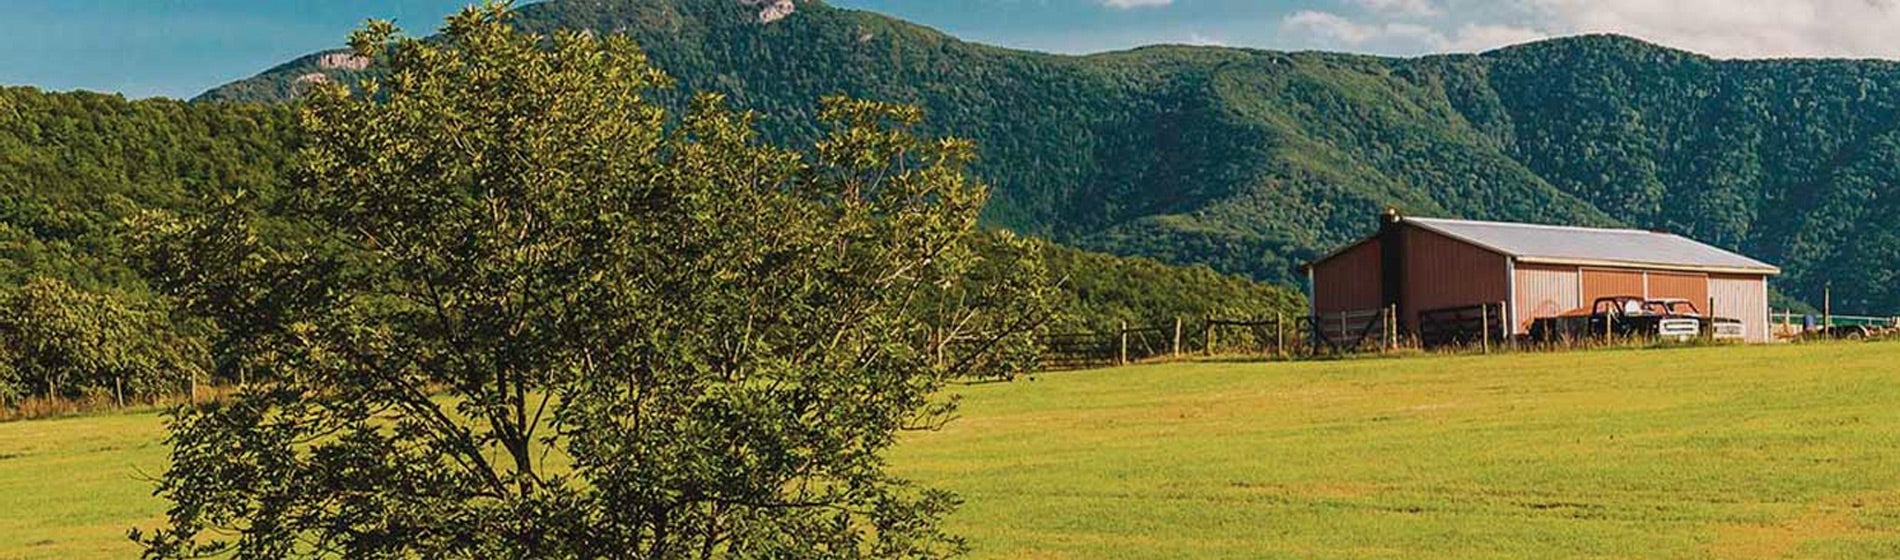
73,166
1254,161
77,319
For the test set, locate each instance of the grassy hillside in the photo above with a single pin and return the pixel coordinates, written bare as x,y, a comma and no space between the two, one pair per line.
1252,161
1760,452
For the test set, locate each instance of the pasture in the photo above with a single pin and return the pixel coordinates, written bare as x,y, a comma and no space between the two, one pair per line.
1763,452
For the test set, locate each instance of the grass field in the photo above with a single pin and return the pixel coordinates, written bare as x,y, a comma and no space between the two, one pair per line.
1772,452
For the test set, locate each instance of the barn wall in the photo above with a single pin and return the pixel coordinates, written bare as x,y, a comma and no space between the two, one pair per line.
1601,283
1689,286
1441,272
1349,281
1545,291
1745,298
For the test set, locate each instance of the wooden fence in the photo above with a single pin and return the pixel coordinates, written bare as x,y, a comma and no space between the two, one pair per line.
1281,336
1473,325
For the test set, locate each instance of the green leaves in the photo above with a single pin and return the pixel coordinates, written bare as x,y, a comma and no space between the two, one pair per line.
540,316
59,341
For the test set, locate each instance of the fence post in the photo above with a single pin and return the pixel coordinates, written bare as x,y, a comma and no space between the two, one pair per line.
1484,314
1177,337
1506,330
1342,326
1124,354
1279,333
1392,326
118,390
1207,337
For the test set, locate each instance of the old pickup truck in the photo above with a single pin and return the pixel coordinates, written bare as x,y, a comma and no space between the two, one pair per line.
1622,316
1721,328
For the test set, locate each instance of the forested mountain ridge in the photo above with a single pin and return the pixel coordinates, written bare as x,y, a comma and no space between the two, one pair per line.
74,166
1253,161
79,170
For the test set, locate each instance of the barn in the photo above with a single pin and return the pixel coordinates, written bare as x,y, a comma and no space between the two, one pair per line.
1422,268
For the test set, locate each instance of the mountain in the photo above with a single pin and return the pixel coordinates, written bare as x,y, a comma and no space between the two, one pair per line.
75,166
1253,161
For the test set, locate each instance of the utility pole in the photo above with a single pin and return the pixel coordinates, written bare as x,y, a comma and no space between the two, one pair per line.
1827,306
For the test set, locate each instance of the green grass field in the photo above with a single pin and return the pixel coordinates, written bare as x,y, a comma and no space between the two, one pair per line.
1771,452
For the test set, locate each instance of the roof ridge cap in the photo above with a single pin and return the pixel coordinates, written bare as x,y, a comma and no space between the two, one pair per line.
1538,226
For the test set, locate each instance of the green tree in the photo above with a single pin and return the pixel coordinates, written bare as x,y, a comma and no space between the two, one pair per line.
542,319
60,341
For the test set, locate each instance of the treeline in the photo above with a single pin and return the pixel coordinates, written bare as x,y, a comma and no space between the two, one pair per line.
1103,293
79,321
60,342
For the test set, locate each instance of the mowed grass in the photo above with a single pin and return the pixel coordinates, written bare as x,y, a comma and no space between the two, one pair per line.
71,487
1767,452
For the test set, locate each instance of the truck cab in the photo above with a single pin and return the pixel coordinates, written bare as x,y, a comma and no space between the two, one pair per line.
1635,316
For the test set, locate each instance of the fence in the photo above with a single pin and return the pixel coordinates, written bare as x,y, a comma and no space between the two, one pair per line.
1792,319
1472,325
1280,336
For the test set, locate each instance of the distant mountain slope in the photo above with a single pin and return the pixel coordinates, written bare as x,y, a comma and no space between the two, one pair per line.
1253,161
75,166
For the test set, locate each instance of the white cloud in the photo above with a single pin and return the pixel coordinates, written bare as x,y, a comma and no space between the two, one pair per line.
1721,28
1132,4
1200,40
1739,28
1400,8
1341,30
1351,32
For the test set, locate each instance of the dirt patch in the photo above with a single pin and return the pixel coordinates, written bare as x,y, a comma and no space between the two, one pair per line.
1821,522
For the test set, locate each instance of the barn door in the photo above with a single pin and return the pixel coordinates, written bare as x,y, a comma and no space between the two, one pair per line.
1602,283
1678,285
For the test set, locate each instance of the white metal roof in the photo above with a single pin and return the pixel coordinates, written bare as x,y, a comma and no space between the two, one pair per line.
1532,243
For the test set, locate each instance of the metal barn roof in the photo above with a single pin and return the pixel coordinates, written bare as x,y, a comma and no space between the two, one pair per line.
1531,243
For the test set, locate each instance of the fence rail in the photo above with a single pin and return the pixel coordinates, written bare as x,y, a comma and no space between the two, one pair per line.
1472,325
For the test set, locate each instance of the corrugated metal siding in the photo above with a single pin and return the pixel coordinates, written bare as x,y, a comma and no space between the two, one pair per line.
1441,272
1692,287
1745,298
1602,283
1545,291
1349,281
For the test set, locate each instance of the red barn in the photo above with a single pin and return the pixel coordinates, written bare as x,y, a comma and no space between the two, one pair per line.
1420,266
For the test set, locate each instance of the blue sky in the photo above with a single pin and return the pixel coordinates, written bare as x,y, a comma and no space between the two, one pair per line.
179,48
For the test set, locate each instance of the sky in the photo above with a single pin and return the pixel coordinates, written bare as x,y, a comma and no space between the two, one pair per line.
179,48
